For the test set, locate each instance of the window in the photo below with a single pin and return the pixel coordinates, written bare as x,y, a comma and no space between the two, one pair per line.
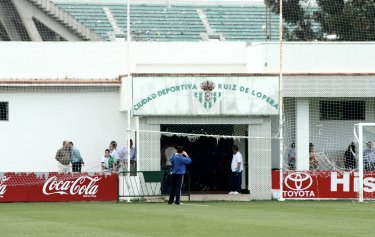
4,111
342,110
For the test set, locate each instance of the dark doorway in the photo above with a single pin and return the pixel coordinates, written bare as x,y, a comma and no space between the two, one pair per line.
210,170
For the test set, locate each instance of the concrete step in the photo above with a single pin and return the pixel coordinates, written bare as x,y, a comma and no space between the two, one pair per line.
218,197
198,198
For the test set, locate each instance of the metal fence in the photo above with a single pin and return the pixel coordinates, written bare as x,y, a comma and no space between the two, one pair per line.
142,184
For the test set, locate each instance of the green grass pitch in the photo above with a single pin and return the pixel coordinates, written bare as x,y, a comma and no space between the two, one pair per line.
255,218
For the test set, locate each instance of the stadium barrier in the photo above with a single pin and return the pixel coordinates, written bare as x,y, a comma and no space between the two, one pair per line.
323,184
143,184
58,187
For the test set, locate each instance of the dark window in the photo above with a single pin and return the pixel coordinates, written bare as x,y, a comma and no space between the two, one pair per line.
342,110
4,111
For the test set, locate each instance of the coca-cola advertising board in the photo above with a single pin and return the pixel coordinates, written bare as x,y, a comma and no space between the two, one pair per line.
58,187
324,184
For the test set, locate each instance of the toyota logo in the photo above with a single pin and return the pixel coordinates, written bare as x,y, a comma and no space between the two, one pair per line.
298,181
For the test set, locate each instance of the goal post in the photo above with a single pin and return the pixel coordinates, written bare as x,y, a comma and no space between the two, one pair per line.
364,134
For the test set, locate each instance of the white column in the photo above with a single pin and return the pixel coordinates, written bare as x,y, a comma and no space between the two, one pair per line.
148,146
260,160
302,134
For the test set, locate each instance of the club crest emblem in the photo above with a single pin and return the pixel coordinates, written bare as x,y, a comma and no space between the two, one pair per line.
207,98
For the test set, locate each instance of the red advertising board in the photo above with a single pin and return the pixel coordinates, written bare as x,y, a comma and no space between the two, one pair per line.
324,184
58,187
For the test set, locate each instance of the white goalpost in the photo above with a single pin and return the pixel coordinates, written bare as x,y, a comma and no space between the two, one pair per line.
364,135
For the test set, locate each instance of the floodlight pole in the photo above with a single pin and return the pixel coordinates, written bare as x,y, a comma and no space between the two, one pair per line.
128,39
360,161
281,104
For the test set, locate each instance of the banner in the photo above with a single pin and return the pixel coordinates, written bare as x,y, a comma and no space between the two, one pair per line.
324,184
210,95
58,187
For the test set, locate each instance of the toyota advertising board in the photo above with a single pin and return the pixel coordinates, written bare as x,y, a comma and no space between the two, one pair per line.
56,187
324,184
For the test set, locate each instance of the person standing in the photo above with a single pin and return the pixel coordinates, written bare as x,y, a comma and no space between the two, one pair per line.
179,162
63,156
313,160
169,152
292,157
115,154
76,158
350,162
107,161
369,157
133,157
237,168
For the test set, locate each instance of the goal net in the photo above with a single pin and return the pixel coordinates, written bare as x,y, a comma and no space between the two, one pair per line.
330,132
234,73
321,108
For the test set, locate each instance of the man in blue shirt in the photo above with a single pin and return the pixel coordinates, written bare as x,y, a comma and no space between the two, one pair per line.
179,162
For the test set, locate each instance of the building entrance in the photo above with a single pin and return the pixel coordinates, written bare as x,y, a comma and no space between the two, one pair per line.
211,156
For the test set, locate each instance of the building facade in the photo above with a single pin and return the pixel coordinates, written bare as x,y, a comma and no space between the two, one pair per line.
81,92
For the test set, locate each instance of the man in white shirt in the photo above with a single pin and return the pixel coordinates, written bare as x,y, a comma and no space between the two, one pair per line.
237,167
169,152
115,154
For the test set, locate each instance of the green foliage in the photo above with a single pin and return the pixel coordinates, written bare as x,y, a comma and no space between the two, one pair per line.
352,20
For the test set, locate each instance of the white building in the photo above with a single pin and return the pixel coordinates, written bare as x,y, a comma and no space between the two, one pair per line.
79,91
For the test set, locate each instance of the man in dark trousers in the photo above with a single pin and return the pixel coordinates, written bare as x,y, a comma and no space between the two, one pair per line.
179,162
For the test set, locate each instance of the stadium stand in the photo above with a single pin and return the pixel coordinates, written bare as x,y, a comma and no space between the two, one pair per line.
46,20
242,23
150,22
57,20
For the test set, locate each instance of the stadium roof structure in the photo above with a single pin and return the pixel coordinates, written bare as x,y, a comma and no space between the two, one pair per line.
156,20
40,20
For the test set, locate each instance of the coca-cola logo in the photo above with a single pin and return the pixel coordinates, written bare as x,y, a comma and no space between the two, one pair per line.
3,186
84,185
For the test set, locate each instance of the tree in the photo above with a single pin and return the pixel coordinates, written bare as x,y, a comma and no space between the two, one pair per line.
299,23
344,20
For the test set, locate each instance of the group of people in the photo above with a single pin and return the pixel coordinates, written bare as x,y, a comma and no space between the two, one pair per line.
180,159
69,155
114,160
368,157
350,161
313,159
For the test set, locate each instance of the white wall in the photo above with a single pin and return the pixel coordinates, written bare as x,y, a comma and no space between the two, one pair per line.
183,57
312,57
61,60
103,60
39,121
108,60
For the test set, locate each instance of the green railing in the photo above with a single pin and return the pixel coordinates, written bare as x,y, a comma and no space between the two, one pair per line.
142,184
